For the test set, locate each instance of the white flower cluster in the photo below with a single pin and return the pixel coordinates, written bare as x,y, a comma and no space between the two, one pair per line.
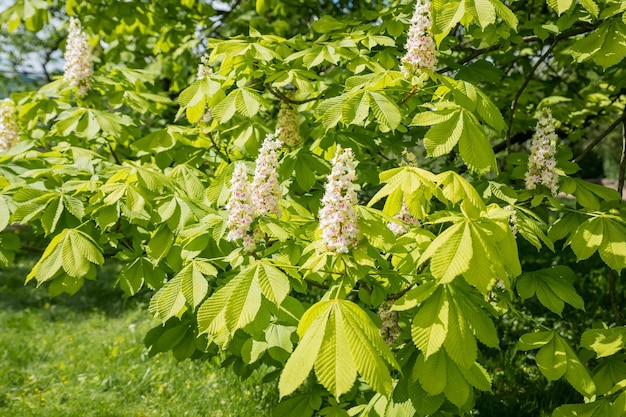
265,187
405,216
249,200
77,66
204,71
239,206
288,125
338,218
420,45
542,162
9,131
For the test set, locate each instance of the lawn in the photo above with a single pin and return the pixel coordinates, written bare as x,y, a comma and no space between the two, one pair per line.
84,356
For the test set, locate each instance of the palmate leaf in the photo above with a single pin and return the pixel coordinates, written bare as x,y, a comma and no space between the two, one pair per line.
481,249
553,286
235,305
603,234
338,340
403,181
556,359
188,287
71,252
606,46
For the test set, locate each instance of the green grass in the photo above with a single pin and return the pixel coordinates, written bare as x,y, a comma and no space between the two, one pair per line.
84,356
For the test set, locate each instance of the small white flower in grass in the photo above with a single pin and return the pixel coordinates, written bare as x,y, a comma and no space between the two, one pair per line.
9,130
405,216
542,162
420,45
338,218
265,186
288,124
77,56
239,206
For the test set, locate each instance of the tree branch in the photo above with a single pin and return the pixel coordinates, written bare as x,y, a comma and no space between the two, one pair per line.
521,90
579,30
604,134
277,93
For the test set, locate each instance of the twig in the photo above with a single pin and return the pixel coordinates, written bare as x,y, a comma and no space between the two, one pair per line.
597,140
393,297
408,96
579,30
286,99
521,90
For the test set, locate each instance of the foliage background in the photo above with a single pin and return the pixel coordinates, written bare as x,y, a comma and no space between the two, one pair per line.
130,172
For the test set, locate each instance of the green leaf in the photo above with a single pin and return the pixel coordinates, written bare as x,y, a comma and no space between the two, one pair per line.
606,46
312,329
451,252
226,108
247,102
474,147
552,359
505,14
553,286
386,112
430,325
339,340
535,340
236,304
160,243
355,108
457,390
605,235
478,377
71,251
577,374
560,6
605,342
579,410
446,14
441,138
424,370
591,7
456,188
460,344
189,286
483,11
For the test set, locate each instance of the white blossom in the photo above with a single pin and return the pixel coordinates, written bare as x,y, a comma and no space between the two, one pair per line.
420,45
542,162
9,131
239,206
77,66
405,216
265,186
338,218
